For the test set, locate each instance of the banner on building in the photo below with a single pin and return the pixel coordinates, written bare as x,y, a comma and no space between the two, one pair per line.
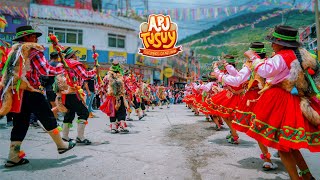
7,37
140,60
82,52
121,57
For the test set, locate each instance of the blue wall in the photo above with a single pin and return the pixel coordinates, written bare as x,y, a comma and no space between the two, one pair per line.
103,56
130,58
12,27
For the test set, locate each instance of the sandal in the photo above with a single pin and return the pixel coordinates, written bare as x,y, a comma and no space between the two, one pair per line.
233,140
114,131
63,150
84,142
268,166
65,140
10,164
229,135
124,131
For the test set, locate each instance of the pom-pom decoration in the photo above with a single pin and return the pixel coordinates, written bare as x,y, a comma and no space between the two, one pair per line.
59,128
95,55
21,154
311,71
56,131
294,91
70,125
318,96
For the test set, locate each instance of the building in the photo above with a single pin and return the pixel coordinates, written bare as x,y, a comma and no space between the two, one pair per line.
308,37
15,13
115,38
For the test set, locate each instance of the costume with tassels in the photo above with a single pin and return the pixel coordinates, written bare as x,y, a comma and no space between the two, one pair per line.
286,117
20,93
209,90
227,100
243,114
116,105
73,97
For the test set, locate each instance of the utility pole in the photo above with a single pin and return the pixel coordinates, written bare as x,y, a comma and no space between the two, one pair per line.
316,9
127,8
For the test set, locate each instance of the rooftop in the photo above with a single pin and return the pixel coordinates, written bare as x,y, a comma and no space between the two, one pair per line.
82,16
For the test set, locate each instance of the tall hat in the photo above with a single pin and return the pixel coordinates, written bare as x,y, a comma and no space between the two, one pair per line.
285,36
23,31
69,52
116,67
229,58
259,48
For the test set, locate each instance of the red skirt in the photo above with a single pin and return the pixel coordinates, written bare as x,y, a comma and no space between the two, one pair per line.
279,123
224,103
188,99
243,114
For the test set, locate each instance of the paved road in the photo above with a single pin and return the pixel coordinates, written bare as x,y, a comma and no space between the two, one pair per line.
167,144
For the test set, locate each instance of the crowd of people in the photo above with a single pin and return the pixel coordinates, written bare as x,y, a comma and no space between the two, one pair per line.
274,100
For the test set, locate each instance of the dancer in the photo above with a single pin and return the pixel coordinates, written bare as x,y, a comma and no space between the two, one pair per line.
115,105
73,97
285,116
27,57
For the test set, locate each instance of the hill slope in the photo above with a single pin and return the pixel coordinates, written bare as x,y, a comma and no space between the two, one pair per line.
214,41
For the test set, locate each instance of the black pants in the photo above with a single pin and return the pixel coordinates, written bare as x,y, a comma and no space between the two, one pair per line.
74,105
121,113
32,102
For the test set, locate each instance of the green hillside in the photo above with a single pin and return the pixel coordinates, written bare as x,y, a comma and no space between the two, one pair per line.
245,35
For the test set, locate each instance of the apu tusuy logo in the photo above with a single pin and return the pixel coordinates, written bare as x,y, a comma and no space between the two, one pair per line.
159,37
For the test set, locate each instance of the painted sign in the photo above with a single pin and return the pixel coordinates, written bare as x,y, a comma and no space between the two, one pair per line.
121,57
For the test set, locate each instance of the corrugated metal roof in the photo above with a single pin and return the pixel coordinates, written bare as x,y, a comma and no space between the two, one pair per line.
82,16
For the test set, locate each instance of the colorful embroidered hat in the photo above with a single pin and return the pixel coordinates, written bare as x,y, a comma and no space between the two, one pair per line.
23,31
69,52
229,58
259,48
285,36
116,67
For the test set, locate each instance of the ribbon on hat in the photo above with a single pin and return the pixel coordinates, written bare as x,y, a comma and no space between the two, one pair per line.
284,37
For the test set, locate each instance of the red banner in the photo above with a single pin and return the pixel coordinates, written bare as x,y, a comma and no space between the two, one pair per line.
160,53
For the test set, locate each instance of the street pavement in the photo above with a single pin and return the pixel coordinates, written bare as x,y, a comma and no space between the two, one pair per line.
167,144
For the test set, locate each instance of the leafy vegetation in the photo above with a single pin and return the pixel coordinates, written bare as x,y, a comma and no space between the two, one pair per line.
241,38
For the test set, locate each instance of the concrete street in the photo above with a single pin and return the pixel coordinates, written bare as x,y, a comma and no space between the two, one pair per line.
167,144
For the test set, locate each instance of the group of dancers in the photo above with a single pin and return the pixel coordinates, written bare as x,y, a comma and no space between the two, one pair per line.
26,91
274,100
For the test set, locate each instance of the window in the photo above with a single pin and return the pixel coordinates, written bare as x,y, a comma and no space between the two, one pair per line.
16,21
71,36
117,41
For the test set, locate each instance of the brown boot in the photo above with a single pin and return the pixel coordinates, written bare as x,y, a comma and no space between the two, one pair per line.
16,155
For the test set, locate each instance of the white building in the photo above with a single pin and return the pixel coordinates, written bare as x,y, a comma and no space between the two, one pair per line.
114,37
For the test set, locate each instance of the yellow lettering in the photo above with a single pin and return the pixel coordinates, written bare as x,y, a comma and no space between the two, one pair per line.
144,36
151,39
156,37
164,37
172,37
